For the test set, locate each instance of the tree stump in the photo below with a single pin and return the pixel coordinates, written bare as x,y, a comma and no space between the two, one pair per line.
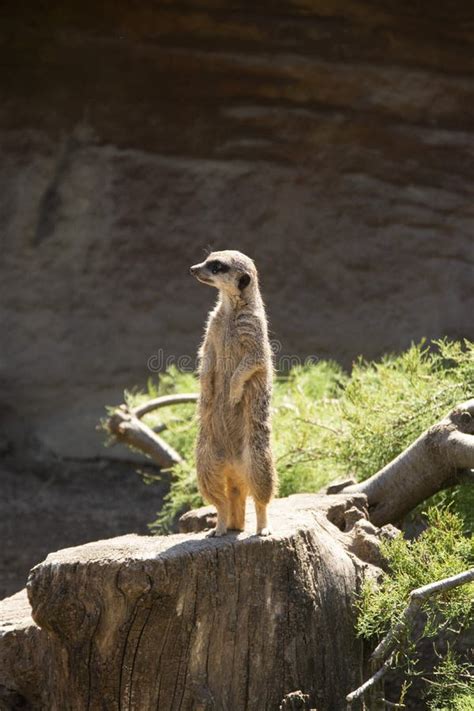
185,622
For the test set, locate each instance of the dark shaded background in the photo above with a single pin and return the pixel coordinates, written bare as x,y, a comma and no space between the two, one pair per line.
331,141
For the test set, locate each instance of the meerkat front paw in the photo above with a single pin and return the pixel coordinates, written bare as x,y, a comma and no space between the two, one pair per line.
264,531
235,396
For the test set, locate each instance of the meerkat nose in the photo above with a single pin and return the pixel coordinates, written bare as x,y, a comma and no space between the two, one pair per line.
192,270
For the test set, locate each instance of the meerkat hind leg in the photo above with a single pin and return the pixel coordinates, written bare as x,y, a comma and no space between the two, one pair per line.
263,528
261,484
216,494
222,516
237,493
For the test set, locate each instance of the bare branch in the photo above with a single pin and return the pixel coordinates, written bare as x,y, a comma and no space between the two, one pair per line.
392,704
127,428
390,641
163,401
313,423
417,597
354,695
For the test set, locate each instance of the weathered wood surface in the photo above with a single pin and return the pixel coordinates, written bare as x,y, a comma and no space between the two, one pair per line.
190,622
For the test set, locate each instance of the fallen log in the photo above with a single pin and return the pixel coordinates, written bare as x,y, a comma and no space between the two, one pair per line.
441,457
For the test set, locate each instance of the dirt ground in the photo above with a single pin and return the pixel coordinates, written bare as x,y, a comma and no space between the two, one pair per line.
46,506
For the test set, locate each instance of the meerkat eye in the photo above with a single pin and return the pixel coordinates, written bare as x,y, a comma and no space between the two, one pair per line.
217,267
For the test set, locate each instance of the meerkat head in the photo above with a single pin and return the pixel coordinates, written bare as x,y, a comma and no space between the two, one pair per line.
229,271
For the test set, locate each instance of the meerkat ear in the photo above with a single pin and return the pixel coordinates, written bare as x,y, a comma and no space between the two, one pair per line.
244,281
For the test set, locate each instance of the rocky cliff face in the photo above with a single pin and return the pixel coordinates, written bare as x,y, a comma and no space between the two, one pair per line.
332,141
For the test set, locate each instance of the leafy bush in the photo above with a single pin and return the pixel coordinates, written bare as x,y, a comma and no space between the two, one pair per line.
388,404
327,424
451,687
439,552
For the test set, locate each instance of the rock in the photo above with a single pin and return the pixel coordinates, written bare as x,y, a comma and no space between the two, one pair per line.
296,701
198,520
190,622
331,141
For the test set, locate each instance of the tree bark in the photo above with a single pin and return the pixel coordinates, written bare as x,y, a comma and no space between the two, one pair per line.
188,622
441,457
125,425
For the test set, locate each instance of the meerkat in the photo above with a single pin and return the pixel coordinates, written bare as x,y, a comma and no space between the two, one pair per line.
233,450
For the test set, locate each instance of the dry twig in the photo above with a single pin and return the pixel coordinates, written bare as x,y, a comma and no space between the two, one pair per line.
388,644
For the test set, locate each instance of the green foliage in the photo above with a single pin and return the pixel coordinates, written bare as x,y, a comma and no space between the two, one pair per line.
451,686
327,424
306,421
463,702
439,552
388,404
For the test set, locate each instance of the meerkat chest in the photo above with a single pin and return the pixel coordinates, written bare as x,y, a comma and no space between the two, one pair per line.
227,340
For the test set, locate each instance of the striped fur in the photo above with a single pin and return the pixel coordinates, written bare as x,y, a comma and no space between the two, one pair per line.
234,454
